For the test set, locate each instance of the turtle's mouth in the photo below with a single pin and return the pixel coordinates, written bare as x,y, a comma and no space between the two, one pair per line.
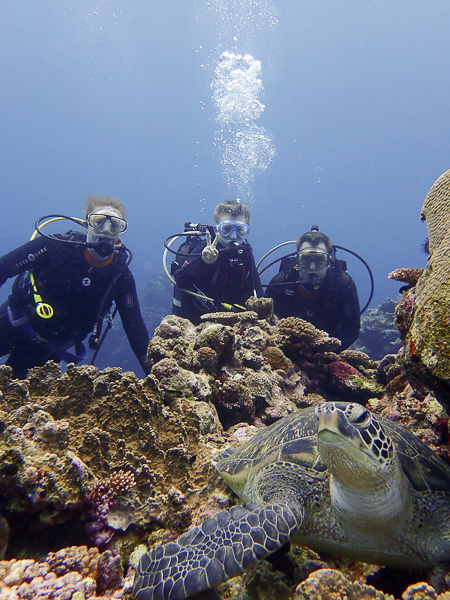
327,436
337,448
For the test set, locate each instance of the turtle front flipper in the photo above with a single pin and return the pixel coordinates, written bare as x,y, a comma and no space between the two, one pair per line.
219,549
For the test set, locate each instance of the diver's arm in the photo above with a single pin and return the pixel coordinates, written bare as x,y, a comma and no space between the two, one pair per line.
126,299
25,257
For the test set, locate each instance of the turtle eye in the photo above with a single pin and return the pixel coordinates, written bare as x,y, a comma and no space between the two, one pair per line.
363,419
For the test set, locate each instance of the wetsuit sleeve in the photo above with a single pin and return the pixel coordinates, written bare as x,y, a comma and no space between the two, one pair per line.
349,312
31,254
126,299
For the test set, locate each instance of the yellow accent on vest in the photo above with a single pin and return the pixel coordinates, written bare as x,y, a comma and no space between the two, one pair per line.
43,310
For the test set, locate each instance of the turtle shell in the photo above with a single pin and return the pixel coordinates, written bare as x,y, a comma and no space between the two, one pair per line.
294,439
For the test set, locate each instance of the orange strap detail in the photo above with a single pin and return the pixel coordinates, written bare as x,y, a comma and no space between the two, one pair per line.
97,263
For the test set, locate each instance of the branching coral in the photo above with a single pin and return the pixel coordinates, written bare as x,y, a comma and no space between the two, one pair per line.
107,490
103,498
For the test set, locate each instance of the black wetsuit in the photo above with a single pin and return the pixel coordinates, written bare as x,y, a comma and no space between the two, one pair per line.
75,288
333,307
232,279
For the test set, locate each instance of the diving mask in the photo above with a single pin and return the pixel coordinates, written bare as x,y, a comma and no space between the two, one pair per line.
98,220
313,259
233,229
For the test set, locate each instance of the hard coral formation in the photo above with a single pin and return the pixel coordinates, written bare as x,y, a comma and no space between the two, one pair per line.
427,348
100,528
332,585
263,307
113,422
296,337
77,573
37,470
126,460
347,380
173,337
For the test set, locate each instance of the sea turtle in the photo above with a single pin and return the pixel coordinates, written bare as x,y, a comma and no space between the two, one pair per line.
336,478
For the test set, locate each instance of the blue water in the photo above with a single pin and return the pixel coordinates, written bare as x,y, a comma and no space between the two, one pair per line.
115,98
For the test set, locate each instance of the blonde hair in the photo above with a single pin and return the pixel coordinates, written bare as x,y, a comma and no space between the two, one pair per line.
93,203
234,209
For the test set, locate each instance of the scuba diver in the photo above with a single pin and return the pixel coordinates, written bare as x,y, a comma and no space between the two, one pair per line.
218,275
65,286
315,286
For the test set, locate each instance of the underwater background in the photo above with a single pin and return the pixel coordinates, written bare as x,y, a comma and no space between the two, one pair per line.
338,117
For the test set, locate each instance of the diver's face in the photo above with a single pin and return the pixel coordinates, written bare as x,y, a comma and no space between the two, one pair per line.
104,229
232,231
313,262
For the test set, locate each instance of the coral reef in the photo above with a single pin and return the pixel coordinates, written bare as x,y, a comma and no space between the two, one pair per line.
332,585
95,462
426,324
98,423
77,573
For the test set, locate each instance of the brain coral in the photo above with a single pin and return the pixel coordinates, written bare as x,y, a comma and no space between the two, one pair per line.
436,211
429,339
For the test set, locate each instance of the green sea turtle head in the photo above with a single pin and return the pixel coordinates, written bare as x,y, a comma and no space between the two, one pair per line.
353,444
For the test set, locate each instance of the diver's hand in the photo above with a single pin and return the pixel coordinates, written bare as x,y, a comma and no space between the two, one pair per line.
210,252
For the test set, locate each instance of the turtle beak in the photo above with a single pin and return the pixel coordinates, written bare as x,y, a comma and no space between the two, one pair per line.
334,428
334,424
